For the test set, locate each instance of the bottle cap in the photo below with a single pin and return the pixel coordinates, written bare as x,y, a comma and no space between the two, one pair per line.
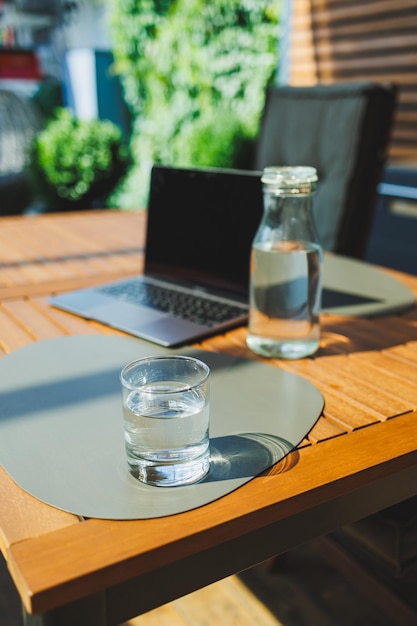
300,179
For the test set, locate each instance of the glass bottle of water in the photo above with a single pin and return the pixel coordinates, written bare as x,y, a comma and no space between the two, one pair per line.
286,267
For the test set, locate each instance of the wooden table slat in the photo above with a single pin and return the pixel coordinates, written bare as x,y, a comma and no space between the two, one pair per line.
347,413
13,336
375,399
27,315
387,360
51,249
325,429
387,381
404,352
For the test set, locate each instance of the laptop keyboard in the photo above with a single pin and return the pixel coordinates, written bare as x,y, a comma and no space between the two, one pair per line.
179,304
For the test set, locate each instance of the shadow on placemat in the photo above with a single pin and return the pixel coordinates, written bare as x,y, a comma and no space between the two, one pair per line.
246,455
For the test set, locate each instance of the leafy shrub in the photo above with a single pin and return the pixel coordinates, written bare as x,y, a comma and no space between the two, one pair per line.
77,163
194,74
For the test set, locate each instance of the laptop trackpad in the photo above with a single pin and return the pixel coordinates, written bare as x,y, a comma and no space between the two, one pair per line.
170,331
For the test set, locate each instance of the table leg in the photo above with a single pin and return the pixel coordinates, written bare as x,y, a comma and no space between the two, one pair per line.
90,611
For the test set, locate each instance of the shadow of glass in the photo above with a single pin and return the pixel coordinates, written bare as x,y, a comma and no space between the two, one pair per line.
245,455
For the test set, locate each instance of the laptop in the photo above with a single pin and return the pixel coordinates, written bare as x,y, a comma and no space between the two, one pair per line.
200,227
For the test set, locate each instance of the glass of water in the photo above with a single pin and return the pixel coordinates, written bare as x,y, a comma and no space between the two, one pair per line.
166,403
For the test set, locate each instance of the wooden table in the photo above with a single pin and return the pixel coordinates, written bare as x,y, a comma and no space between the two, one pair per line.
359,458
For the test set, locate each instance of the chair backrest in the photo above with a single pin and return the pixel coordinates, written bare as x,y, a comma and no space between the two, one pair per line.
19,122
343,130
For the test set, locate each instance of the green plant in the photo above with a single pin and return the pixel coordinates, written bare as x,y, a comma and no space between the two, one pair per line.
77,163
48,97
194,74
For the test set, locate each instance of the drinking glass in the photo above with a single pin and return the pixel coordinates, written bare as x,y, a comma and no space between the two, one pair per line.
166,401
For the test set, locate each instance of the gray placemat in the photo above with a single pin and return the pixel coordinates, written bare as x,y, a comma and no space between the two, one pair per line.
61,431
354,287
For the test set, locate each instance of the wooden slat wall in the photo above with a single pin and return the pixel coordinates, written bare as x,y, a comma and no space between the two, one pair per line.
344,40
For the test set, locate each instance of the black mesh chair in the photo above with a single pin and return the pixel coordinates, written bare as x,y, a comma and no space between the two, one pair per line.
343,130
19,122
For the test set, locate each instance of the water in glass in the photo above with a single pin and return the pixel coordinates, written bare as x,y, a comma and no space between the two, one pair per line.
167,433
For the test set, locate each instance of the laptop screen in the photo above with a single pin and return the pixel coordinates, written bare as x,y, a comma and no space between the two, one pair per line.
201,223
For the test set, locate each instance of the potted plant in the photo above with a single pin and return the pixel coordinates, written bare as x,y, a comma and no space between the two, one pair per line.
76,164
